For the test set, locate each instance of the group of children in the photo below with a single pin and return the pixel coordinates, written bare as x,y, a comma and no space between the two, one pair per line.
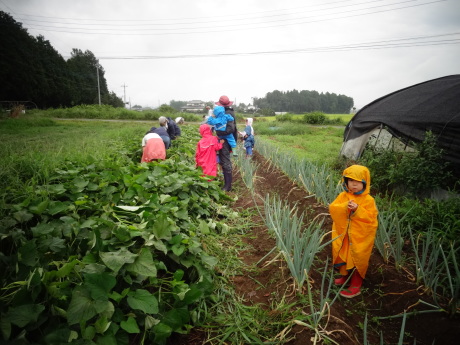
207,148
354,212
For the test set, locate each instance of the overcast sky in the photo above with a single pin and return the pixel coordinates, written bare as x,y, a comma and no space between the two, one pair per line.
184,50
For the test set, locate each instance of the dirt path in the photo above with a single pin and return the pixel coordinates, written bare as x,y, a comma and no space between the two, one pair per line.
386,291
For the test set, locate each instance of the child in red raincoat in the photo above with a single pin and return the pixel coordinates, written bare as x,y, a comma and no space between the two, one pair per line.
206,151
355,223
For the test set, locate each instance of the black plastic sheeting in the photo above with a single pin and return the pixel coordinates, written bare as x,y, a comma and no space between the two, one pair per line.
409,113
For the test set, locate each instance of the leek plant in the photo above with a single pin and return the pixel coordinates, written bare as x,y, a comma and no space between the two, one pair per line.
297,245
401,333
247,170
319,181
438,270
389,239
319,316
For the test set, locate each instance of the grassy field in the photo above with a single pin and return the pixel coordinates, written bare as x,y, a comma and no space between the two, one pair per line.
344,117
317,144
31,149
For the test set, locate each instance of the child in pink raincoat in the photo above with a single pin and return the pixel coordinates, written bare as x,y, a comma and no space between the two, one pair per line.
206,151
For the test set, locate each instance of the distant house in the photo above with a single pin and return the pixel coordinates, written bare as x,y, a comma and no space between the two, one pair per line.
193,106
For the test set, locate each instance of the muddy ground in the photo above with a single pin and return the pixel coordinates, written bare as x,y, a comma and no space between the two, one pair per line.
386,291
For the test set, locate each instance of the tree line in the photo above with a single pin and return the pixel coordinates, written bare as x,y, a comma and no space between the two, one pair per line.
305,101
32,70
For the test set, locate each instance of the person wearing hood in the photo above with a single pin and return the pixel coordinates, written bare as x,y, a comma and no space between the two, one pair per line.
171,127
354,215
248,136
206,151
224,154
220,120
179,121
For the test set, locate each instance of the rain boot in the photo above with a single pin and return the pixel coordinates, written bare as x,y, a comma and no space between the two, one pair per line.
227,181
355,286
341,280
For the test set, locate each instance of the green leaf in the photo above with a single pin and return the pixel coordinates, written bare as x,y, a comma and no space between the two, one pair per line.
22,216
5,327
162,228
108,339
178,249
115,260
182,214
204,228
65,270
162,332
82,307
100,285
89,333
143,300
38,209
192,295
150,322
122,233
24,314
28,254
80,184
54,244
56,207
88,223
56,188
165,198
144,264
211,261
130,325
59,335
42,229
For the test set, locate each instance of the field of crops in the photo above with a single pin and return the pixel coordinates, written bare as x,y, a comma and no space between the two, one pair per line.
97,248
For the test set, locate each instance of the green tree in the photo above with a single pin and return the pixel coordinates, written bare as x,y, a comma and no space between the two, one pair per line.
84,69
177,104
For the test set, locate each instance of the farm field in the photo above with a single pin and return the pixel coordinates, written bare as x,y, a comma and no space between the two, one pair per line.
344,117
253,298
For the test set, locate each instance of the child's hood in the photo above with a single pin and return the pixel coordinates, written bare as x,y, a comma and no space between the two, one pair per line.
219,111
358,173
249,121
205,130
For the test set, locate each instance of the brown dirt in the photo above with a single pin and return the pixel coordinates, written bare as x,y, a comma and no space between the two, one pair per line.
386,291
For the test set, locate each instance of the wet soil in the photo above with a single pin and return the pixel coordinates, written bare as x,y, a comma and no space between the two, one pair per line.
386,291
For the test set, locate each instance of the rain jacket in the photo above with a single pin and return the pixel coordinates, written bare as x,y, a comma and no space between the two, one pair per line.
220,124
249,140
154,148
354,231
206,151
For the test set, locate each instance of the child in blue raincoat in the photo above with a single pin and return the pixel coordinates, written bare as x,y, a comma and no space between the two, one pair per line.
220,120
248,136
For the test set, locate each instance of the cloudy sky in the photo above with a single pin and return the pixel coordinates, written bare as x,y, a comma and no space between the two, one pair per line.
154,51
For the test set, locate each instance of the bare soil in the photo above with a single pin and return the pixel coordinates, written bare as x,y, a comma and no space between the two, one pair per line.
386,291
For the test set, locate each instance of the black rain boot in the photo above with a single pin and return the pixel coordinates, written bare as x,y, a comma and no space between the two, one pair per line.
228,181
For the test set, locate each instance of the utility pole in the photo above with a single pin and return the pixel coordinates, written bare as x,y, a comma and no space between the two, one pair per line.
98,85
124,86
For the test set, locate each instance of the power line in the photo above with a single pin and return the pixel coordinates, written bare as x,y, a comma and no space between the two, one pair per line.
386,44
226,28
227,17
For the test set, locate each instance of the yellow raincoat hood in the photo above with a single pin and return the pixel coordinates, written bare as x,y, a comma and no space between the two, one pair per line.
357,173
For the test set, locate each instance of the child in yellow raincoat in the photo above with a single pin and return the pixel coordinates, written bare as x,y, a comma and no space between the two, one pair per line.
355,223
